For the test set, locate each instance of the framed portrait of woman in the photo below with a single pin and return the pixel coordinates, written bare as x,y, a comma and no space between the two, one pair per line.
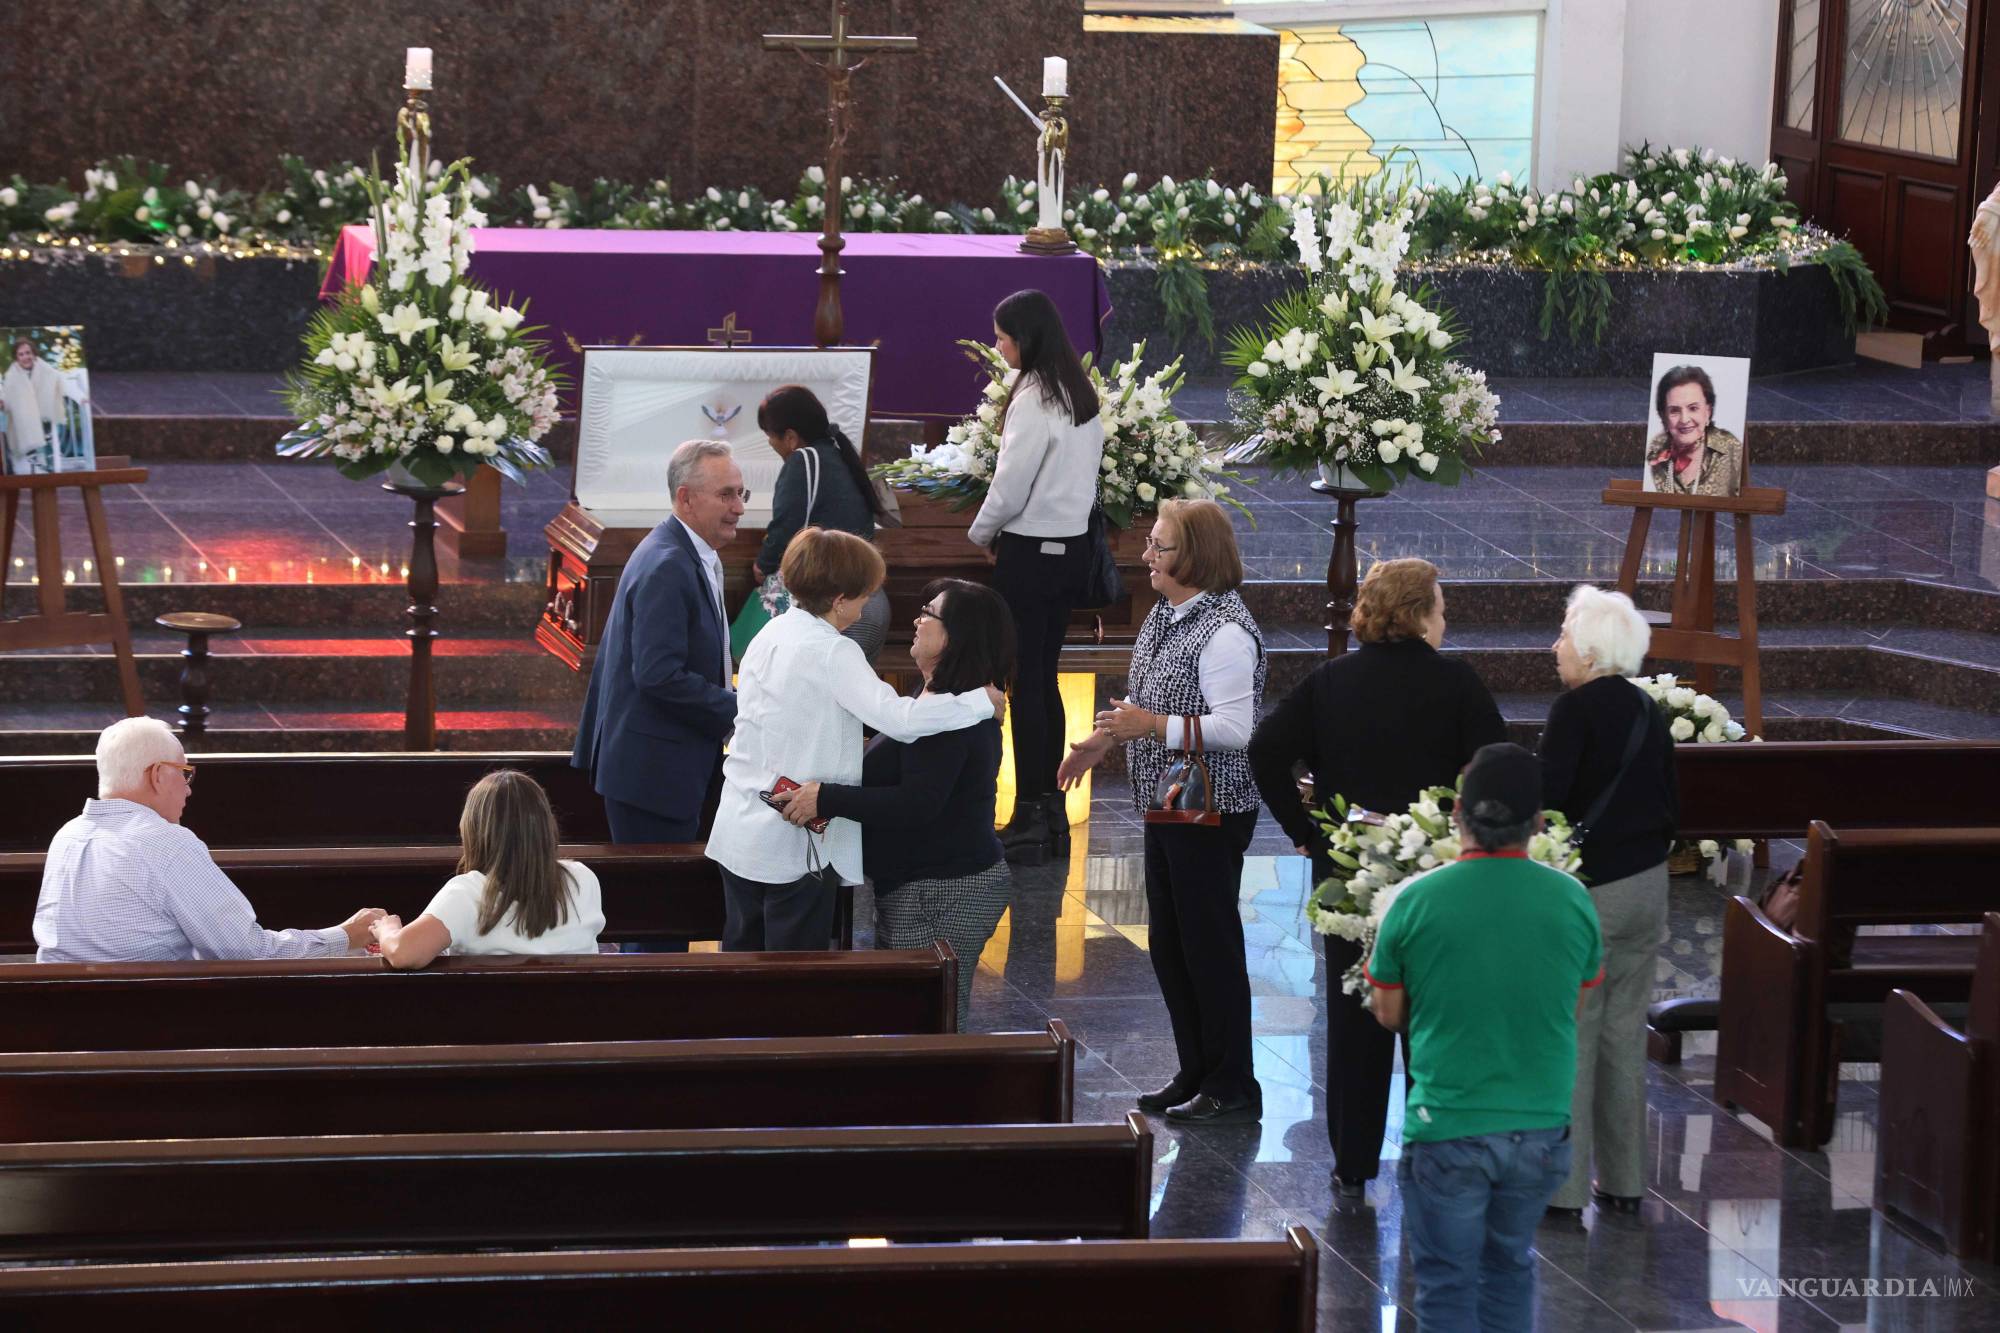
44,402
1695,424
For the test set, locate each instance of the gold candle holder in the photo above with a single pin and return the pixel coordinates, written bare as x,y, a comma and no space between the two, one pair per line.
413,124
1052,147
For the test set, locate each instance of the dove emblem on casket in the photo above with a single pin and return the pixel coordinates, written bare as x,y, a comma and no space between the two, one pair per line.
720,416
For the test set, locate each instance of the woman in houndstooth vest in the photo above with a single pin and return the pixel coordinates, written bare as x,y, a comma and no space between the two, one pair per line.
1199,655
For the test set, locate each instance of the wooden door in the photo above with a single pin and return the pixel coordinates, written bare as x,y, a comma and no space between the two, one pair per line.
1878,126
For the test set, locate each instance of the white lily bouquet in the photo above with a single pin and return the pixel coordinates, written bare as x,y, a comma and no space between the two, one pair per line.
1149,453
1702,720
1351,372
420,367
1375,857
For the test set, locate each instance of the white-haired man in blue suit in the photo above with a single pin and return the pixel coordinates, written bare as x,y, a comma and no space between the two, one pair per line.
660,702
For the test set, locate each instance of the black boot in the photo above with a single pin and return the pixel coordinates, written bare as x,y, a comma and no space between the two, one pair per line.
1027,836
1057,813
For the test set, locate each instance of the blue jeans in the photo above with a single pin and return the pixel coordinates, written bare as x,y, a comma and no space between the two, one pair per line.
1469,1211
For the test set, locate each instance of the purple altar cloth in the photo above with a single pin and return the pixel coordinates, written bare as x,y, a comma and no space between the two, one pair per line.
913,295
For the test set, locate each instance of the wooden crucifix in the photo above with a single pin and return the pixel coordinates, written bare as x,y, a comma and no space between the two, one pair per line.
729,335
840,44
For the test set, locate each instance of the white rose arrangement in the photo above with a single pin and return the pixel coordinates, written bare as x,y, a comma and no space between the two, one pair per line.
1375,857
1149,453
1352,370
420,366
1701,720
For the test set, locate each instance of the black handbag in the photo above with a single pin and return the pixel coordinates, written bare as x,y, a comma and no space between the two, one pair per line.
1183,795
1102,584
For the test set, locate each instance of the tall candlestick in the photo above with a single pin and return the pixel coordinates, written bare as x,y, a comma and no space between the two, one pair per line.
1055,77
417,67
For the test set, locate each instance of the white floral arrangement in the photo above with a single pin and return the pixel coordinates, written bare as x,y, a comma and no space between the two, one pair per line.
1376,856
420,367
1149,453
1352,371
1701,720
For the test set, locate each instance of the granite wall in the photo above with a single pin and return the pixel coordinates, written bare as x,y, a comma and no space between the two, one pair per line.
630,89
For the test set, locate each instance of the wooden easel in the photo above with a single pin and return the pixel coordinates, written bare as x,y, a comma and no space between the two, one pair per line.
56,625
1689,635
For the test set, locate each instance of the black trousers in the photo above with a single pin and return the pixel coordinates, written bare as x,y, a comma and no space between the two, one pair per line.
1193,877
1040,579
636,824
1360,1060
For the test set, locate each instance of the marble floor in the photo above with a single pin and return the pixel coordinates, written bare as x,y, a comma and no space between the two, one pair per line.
1727,1214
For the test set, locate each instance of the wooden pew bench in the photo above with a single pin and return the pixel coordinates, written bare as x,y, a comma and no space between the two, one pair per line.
271,1196
359,1000
758,1082
1938,1161
1124,1286
1795,1003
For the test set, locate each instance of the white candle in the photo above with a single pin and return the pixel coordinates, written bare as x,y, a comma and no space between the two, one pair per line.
417,67
1055,77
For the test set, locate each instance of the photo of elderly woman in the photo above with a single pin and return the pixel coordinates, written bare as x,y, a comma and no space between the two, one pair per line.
1696,434
44,402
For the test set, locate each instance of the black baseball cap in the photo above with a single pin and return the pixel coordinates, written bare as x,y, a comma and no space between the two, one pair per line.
1506,774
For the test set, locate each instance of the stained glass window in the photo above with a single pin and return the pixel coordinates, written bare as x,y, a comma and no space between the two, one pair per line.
1903,75
1454,98
1802,70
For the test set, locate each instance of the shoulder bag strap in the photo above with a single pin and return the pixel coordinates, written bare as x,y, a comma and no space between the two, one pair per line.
1633,743
812,482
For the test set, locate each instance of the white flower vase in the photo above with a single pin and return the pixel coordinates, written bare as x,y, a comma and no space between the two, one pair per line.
399,474
1340,477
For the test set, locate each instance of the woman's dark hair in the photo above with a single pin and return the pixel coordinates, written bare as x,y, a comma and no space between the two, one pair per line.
795,407
1674,379
978,634
1030,318
508,833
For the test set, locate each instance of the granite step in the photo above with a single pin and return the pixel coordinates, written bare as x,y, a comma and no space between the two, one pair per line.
319,726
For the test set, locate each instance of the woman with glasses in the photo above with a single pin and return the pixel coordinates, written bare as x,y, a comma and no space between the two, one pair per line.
926,807
1199,663
1036,521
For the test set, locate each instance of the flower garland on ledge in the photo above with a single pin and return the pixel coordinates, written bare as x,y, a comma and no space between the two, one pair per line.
1150,454
1670,207
421,369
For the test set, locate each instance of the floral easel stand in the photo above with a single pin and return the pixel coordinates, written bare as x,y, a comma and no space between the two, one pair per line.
420,709
1341,575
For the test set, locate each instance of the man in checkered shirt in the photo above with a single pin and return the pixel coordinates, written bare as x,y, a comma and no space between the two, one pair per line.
125,883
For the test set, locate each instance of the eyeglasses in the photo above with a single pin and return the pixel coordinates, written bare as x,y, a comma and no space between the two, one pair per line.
729,493
925,613
1158,549
187,770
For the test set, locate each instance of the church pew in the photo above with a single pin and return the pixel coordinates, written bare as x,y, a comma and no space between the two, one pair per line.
1790,996
1112,1286
752,1082
650,893
1767,790
128,1200
359,1000
1938,1162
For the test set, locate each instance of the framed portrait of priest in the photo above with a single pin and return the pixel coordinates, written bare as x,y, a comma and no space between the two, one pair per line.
635,406
44,402
1695,424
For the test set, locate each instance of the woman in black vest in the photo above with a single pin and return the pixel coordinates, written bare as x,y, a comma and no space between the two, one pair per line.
828,489
1199,660
1377,726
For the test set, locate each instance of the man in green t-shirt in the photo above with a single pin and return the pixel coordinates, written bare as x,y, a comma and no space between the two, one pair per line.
1483,963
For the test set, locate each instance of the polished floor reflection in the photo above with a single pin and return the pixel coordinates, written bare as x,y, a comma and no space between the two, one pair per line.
1729,1219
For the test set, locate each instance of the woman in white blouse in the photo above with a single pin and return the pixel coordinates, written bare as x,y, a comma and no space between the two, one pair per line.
803,695
1200,658
1036,521
511,894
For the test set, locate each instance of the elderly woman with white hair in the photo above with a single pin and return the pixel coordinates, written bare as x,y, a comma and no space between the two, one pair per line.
1608,763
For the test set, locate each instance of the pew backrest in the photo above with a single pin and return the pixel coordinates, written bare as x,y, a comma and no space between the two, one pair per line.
1982,1015
1774,789
771,1082
1126,1286
474,1001
1857,877
650,892
270,1196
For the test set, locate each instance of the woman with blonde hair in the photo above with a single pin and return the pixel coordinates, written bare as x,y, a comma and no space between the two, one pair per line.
510,895
803,694
1376,726
1197,678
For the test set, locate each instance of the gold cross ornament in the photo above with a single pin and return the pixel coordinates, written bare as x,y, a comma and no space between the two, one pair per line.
729,335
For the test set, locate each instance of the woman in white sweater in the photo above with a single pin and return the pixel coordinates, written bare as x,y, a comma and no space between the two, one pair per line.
803,695
1036,521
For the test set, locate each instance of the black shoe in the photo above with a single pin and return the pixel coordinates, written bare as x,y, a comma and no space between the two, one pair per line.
1615,1203
1570,1216
1173,1094
1205,1109
1027,838
1056,812
1343,1188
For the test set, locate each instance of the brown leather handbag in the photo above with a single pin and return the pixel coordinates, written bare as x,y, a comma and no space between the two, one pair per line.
1183,795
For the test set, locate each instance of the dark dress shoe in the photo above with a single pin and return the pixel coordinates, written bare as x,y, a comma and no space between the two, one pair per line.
1616,1203
1173,1094
1344,1188
1569,1216
1205,1109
